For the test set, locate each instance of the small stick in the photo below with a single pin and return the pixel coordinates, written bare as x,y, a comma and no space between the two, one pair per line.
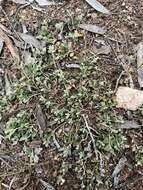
118,80
11,183
92,138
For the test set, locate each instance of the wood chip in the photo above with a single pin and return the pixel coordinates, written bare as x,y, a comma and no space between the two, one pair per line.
93,28
140,63
128,98
98,6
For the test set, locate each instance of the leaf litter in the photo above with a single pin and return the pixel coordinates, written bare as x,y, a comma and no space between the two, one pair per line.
129,125
140,63
31,40
46,185
93,28
22,2
8,88
103,50
98,6
26,57
41,3
1,45
117,170
41,120
13,50
45,2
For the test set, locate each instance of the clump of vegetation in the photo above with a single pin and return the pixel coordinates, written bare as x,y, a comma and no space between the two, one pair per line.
76,99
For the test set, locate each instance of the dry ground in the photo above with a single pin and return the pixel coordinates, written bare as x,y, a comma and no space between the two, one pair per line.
124,32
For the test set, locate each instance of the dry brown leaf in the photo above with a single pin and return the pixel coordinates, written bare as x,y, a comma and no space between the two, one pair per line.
9,45
128,98
26,57
105,49
98,6
140,63
22,2
41,120
6,30
1,2
1,45
129,125
29,39
46,185
93,28
45,2
118,169
8,88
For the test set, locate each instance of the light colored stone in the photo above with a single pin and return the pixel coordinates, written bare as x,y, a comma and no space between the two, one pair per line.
128,98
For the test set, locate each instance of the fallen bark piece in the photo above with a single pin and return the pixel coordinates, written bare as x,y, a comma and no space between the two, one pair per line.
128,98
93,28
9,44
98,6
140,63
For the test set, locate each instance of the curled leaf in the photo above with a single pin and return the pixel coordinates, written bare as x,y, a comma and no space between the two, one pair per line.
9,44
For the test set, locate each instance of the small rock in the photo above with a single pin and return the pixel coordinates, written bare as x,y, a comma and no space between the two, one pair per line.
128,98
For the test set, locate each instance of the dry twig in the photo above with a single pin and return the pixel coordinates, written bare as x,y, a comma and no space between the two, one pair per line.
91,135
